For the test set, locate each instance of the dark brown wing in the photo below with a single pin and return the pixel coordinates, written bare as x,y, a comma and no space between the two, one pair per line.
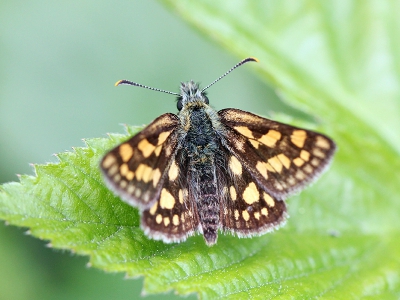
246,208
173,217
281,159
135,169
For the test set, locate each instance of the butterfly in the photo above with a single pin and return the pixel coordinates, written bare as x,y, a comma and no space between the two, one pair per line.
207,171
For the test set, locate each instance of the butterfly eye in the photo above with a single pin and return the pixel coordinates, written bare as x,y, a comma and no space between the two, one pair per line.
179,104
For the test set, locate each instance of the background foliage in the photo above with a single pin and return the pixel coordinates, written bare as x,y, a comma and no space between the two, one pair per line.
332,59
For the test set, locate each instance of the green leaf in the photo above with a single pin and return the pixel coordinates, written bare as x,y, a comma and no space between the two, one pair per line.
336,60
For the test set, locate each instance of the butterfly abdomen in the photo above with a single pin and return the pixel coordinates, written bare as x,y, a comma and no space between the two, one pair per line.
201,148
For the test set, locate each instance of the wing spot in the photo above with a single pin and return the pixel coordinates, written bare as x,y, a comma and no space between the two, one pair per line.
153,209
117,178
180,195
317,152
291,180
251,194
108,161
298,161
159,219
254,143
138,192
167,201
300,175
243,130
245,215
146,148
173,171
315,162
262,168
113,170
270,138
157,151
264,211
163,136
308,169
156,177
276,164
175,220
284,160
236,214
130,189
322,142
232,192
304,155
166,221
298,137
124,169
269,200
123,184
126,152
257,215
235,166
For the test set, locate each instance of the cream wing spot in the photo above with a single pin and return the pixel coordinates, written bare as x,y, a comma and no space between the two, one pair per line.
108,161
254,143
162,137
257,215
251,194
167,201
245,215
268,199
232,192
156,177
276,164
315,162
126,152
166,221
298,161
157,151
264,211
173,172
146,147
308,169
298,138
236,214
318,153
262,168
235,166
175,220
304,155
243,130
113,170
322,142
159,219
270,138
284,160
124,169
180,195
153,209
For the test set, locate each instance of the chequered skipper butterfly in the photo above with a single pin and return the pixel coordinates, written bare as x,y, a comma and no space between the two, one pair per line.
204,171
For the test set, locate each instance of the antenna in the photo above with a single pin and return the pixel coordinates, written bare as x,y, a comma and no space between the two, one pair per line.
233,68
123,81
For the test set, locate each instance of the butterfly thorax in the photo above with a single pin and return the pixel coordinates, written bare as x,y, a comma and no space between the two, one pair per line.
199,154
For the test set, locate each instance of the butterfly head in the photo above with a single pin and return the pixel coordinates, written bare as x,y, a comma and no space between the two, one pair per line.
191,95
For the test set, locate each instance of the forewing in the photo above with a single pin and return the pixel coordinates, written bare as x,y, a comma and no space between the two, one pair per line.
246,208
281,158
173,217
135,169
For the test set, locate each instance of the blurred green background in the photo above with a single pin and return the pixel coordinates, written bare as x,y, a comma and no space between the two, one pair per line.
59,62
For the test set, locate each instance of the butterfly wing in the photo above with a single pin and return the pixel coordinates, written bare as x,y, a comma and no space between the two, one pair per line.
174,216
281,159
246,209
135,169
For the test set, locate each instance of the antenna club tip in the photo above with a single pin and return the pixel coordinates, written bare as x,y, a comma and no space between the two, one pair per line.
252,59
118,82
